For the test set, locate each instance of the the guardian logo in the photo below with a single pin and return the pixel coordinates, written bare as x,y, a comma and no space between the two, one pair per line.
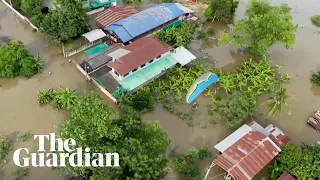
64,152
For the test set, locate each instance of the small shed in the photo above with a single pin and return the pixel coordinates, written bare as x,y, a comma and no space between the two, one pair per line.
94,35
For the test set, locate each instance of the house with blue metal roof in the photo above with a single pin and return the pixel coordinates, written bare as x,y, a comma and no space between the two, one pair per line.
147,21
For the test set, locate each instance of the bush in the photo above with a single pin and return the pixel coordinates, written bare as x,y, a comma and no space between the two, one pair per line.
143,100
186,163
21,173
16,4
5,147
72,47
315,78
68,21
16,60
61,98
222,10
31,7
211,31
201,34
316,20
37,19
177,37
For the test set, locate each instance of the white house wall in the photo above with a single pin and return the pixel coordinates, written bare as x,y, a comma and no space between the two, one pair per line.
120,78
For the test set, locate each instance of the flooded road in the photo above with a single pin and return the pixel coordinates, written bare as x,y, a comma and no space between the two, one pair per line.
20,111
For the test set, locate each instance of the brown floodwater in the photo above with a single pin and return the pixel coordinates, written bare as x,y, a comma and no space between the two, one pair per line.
20,111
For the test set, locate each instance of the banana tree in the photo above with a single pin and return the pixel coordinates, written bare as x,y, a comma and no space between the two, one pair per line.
279,101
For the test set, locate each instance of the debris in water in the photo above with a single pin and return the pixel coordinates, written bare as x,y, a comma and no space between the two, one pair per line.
49,72
69,60
61,63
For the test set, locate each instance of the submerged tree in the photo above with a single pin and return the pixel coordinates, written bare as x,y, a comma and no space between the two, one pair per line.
235,109
178,36
69,20
302,162
263,26
31,7
316,20
186,163
141,146
279,101
222,10
15,60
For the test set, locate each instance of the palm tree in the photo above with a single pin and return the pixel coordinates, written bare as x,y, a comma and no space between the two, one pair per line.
279,101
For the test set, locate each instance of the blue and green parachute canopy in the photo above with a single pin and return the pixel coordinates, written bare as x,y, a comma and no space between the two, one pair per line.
200,85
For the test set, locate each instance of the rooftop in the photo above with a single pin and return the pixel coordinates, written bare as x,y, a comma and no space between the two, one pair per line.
246,151
113,14
94,35
148,73
92,63
141,52
286,176
144,21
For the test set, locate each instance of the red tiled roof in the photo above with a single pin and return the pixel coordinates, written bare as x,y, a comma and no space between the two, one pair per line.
142,51
247,156
286,176
111,15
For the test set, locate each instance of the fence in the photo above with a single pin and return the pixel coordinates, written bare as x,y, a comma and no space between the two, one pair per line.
67,53
20,15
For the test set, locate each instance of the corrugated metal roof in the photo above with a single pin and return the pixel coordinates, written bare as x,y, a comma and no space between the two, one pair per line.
99,59
94,35
142,51
259,128
119,53
277,135
286,176
232,138
248,155
137,24
113,14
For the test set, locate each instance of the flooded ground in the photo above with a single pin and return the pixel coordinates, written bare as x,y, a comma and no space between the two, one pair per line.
20,112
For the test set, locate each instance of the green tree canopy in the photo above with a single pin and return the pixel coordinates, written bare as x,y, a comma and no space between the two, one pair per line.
31,7
235,109
141,146
263,26
222,10
15,60
177,36
69,20
302,162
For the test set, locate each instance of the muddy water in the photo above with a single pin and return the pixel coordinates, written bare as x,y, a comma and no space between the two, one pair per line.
18,96
20,111
299,61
